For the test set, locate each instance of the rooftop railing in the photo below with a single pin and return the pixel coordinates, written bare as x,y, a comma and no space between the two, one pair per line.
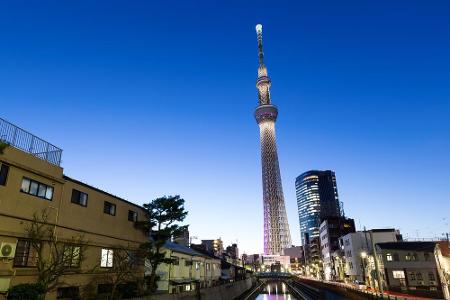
25,141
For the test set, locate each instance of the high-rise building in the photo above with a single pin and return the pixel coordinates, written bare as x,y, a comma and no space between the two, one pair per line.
317,199
276,227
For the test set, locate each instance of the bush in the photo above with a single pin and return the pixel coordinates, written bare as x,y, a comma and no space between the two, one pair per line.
26,291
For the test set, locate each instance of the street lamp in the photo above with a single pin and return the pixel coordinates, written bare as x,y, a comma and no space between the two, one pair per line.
363,258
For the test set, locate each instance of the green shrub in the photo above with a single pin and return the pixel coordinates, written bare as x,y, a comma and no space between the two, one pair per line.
26,291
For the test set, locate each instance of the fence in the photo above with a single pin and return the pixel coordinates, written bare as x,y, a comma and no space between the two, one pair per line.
25,141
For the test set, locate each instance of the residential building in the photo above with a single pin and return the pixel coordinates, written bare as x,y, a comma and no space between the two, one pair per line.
409,267
33,185
189,270
331,229
356,245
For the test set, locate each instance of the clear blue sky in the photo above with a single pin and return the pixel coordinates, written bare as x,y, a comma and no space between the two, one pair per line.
150,98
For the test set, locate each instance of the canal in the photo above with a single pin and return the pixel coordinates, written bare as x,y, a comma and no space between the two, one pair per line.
276,290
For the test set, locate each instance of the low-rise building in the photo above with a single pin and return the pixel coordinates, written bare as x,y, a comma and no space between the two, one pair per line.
356,247
409,267
331,229
189,270
33,188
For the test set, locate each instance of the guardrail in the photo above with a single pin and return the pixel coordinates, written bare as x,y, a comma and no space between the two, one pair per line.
27,142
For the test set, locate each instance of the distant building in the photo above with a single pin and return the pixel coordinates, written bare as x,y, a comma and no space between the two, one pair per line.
233,251
297,258
317,199
331,229
213,246
410,267
182,238
275,263
355,245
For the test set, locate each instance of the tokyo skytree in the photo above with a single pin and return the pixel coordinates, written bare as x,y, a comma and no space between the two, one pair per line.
276,227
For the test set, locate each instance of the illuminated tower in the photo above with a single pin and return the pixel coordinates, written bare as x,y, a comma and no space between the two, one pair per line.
276,226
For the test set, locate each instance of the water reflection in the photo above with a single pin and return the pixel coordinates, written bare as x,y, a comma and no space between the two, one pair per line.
275,291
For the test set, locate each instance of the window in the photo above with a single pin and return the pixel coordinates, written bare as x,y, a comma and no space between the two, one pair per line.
414,256
396,257
398,274
208,266
109,208
419,276
389,257
132,216
35,188
4,169
175,261
188,263
72,257
412,276
25,255
431,276
408,257
72,292
197,265
79,198
107,258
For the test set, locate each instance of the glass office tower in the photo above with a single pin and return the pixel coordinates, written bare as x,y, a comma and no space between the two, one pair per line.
317,199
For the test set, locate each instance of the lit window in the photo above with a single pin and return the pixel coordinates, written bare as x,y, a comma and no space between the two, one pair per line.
398,274
107,258
389,257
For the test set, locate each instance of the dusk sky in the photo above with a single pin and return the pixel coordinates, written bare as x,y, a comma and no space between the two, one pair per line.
154,98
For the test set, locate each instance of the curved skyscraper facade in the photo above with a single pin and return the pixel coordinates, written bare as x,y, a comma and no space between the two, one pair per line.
276,227
317,199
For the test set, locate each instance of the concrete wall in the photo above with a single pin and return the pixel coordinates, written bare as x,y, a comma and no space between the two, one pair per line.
223,292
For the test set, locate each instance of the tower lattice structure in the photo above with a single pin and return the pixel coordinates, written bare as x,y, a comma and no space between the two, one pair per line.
276,227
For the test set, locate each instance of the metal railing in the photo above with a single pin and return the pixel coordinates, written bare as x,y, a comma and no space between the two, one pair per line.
25,141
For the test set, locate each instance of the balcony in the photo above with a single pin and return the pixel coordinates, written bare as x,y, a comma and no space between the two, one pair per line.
27,142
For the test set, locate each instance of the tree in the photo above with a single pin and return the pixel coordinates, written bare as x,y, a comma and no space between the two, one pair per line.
163,216
54,258
3,146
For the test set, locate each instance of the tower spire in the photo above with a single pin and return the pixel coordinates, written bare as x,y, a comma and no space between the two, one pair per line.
260,44
263,82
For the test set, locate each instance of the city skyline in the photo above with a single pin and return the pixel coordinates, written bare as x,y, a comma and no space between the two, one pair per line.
366,101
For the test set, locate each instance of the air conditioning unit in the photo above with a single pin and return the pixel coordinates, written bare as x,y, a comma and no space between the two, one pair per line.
7,250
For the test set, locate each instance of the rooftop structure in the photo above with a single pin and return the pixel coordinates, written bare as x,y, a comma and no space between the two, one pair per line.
28,142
